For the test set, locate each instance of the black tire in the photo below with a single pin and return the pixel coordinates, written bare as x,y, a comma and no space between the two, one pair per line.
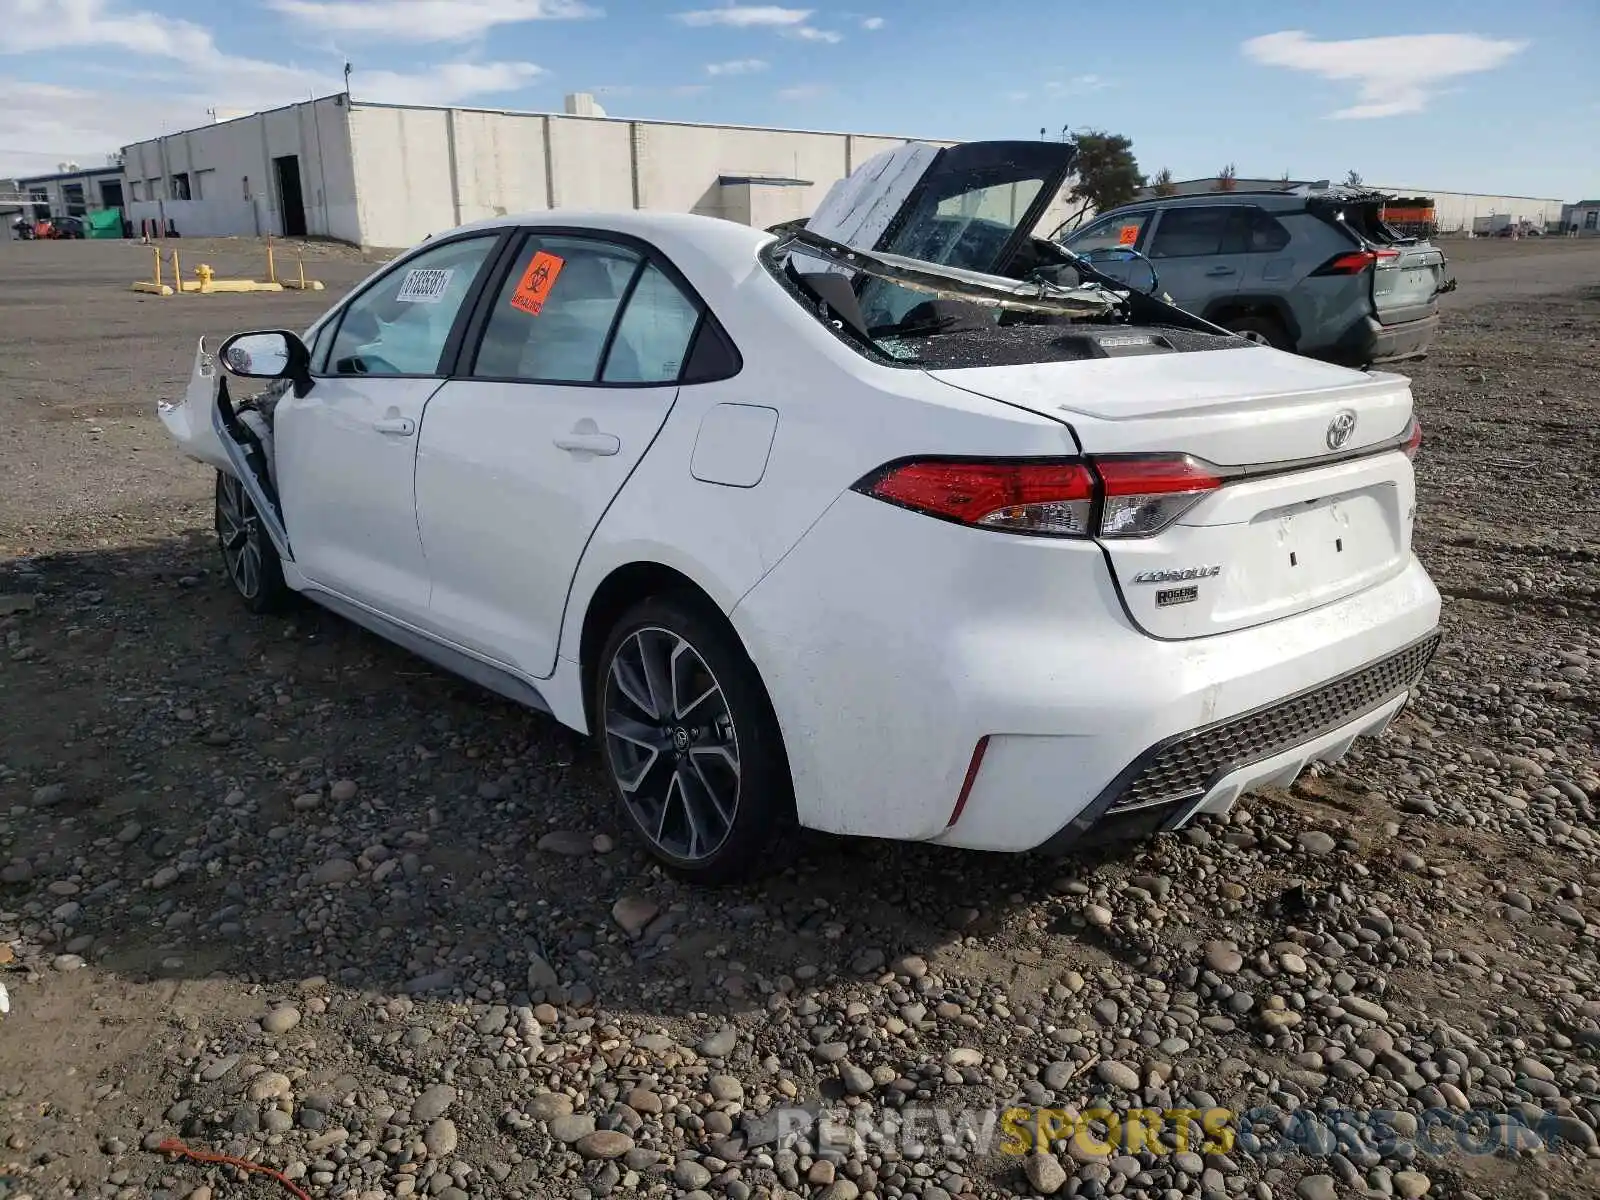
1267,330
687,749
249,558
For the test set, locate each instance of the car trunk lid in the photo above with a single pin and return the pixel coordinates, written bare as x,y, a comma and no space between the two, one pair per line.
971,206
1315,502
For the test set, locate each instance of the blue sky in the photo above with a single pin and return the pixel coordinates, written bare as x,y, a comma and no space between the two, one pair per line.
1474,96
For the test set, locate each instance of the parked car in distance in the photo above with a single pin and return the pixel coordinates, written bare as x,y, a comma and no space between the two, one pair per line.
870,526
1312,271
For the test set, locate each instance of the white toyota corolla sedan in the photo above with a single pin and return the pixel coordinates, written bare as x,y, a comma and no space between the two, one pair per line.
899,523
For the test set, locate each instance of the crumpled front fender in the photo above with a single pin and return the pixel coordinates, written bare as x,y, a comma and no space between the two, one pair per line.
189,420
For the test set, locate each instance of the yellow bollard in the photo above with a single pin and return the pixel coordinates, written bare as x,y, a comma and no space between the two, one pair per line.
154,287
177,274
300,262
272,274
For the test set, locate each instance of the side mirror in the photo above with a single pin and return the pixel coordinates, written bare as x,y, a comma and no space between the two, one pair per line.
266,354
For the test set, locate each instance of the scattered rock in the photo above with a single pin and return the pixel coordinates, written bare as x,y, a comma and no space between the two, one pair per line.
633,913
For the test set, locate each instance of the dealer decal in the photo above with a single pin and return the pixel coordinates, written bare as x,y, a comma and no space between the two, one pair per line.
533,289
425,285
1127,235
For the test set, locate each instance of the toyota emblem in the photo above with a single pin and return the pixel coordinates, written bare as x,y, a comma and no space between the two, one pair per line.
1341,428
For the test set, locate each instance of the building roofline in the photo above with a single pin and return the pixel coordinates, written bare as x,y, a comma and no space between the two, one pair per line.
1410,191
524,112
249,116
355,103
78,174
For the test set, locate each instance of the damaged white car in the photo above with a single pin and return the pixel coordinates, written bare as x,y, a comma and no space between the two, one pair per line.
901,524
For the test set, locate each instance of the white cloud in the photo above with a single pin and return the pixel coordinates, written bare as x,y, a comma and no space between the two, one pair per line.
426,20
1078,85
791,22
449,83
747,16
738,66
32,25
872,23
178,72
804,91
1393,75
808,33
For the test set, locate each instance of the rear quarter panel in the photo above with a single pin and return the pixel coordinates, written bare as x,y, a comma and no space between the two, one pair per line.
839,417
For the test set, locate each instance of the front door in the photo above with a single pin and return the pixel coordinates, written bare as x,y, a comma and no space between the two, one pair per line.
577,370
346,451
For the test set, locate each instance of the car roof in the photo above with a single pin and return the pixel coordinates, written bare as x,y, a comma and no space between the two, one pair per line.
682,237
1262,198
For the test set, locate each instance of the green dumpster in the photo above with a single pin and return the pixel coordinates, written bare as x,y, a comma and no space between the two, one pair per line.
106,223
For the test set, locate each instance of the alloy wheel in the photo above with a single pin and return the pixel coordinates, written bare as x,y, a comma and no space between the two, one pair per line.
671,743
239,534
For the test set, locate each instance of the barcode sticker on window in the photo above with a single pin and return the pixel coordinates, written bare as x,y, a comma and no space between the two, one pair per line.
425,285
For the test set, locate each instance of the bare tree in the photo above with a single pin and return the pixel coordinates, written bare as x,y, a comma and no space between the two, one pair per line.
1108,174
1162,183
1227,178
1352,179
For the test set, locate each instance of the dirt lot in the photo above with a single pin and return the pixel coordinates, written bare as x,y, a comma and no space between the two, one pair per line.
285,893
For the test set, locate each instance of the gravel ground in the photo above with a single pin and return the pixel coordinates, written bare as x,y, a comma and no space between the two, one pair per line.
280,891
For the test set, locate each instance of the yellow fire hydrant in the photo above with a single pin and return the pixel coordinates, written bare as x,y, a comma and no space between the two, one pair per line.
203,273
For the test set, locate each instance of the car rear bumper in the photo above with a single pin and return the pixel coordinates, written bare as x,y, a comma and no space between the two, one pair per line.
1207,769
894,645
1369,342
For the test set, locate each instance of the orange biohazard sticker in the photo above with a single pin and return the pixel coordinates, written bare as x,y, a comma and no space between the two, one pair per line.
1127,235
533,289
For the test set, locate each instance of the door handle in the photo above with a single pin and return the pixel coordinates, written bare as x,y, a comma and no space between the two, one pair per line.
1220,271
398,426
589,443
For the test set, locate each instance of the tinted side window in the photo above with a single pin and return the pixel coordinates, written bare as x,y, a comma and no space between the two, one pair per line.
551,322
1186,232
652,339
1110,232
400,324
1253,231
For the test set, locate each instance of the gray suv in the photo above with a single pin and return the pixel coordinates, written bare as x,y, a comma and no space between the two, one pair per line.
1313,271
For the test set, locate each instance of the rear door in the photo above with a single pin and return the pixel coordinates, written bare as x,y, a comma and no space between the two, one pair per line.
1187,250
581,351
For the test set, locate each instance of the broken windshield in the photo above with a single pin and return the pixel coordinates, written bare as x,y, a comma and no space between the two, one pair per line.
948,300
916,280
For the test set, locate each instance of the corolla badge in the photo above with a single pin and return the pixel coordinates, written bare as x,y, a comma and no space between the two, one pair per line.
1178,575
1341,428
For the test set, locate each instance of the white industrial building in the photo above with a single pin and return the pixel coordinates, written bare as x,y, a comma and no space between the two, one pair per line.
72,190
389,174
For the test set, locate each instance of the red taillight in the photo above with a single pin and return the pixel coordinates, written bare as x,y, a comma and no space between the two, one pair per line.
1024,497
1139,496
1414,440
1357,261
972,778
1145,495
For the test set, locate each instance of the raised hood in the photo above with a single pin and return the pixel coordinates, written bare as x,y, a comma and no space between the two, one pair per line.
972,205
